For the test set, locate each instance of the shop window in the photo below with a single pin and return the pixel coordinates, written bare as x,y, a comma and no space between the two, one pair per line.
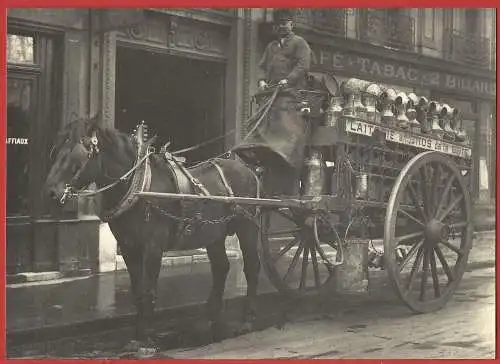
19,104
20,49
387,27
20,107
464,43
31,105
325,19
472,22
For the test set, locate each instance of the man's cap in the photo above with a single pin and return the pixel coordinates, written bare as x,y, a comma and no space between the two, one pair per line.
283,15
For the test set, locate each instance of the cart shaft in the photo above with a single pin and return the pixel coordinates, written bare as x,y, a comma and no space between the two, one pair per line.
264,202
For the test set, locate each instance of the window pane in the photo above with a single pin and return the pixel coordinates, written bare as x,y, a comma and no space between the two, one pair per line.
18,125
20,49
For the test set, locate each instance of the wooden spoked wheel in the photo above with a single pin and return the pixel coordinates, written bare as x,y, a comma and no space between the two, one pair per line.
428,231
298,251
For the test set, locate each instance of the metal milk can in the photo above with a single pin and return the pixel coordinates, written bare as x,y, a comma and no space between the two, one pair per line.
370,98
361,186
387,99
433,115
334,111
446,115
460,134
400,105
411,113
315,174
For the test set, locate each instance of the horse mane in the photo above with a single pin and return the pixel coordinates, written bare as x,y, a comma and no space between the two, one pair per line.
74,131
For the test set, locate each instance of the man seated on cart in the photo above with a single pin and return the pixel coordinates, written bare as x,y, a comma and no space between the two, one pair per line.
278,143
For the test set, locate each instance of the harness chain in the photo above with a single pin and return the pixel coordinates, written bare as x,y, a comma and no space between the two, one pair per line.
198,220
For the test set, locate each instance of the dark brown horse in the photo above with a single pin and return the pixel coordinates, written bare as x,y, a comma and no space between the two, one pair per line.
88,152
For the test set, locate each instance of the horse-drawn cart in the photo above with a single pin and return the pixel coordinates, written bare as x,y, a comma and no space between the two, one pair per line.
385,185
382,166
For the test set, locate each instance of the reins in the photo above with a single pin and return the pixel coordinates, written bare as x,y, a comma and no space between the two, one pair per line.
261,113
68,192
119,180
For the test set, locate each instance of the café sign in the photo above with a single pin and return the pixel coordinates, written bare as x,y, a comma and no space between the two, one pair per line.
398,136
381,70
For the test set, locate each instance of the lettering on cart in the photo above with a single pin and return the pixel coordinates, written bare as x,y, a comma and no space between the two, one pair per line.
402,137
17,141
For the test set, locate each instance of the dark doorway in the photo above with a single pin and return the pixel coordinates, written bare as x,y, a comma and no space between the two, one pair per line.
179,98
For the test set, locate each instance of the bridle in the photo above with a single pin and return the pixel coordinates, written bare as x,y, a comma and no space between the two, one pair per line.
93,150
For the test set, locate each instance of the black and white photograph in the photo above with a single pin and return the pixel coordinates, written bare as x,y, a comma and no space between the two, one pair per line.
250,183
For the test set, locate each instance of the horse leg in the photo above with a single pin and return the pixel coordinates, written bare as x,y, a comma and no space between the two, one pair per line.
219,266
151,264
247,235
132,255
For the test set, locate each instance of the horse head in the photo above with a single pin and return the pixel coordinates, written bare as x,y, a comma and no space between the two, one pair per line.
86,152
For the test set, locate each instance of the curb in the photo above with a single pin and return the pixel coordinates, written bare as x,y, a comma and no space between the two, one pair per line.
56,276
33,277
480,265
170,261
196,256
173,315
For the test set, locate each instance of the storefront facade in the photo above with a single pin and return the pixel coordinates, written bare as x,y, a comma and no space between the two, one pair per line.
43,49
178,70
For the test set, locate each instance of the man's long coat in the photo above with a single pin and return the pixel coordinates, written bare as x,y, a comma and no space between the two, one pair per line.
283,133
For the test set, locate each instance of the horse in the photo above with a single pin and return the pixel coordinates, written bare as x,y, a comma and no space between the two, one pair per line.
88,152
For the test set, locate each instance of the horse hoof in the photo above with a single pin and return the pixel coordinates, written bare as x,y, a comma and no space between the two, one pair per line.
246,328
218,330
146,352
133,345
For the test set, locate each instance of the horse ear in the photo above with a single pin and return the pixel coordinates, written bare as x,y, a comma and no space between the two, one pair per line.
94,121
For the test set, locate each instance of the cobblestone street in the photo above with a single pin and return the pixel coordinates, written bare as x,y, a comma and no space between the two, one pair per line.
465,328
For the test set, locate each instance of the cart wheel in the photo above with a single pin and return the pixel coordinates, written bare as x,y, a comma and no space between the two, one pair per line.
428,231
298,252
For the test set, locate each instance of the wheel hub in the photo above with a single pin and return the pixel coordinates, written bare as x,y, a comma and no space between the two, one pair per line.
436,231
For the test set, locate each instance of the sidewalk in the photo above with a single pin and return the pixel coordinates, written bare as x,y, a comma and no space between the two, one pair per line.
33,309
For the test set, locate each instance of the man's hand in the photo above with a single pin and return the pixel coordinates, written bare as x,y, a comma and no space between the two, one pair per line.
262,85
283,83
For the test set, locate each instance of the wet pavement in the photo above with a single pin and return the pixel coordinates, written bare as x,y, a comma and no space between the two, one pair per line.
465,328
376,325
103,302
107,295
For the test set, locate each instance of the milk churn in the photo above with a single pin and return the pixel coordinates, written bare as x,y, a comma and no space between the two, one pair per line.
446,114
334,111
361,186
460,134
370,97
387,99
315,174
411,113
354,106
332,177
352,277
433,116
401,103
422,114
